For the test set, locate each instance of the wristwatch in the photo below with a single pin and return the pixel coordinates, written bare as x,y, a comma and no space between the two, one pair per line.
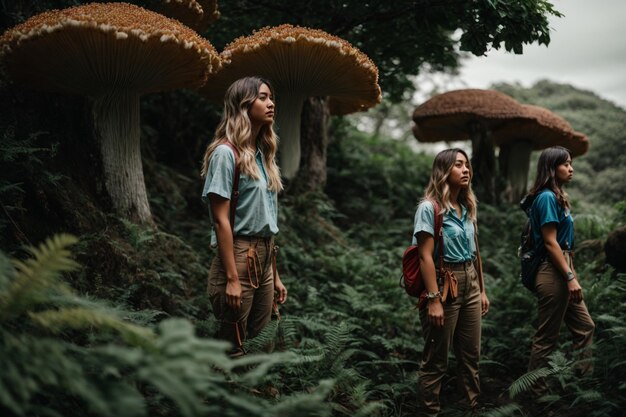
570,276
433,295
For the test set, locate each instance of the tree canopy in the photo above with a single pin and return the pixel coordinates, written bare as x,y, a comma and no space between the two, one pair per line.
402,36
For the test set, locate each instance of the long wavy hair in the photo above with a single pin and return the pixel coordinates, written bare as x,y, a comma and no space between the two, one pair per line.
438,188
548,162
236,127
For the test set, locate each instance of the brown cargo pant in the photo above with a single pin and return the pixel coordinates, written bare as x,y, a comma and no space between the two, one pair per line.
461,330
554,309
257,285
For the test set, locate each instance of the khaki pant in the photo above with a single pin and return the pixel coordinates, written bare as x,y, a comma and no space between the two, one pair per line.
257,292
461,331
554,309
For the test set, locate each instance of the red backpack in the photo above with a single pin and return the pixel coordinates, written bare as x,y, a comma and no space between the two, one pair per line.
411,279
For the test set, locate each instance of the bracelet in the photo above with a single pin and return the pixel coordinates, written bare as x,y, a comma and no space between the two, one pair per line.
433,295
570,276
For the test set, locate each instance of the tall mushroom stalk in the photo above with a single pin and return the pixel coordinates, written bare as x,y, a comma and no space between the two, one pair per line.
300,63
468,114
538,128
111,53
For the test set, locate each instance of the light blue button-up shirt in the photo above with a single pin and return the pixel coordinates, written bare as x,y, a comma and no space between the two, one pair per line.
458,233
257,207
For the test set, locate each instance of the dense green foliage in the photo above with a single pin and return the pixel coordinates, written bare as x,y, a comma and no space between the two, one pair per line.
348,335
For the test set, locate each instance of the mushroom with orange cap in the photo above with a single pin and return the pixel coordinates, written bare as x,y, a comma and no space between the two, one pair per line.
538,128
188,12
301,63
210,14
111,53
468,114
196,14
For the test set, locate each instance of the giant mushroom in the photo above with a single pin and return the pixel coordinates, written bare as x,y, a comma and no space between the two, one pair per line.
196,14
537,128
301,63
111,53
188,12
468,114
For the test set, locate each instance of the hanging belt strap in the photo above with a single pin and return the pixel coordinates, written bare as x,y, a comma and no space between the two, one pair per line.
274,255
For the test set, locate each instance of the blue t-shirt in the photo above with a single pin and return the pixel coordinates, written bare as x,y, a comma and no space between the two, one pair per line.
257,207
458,233
546,209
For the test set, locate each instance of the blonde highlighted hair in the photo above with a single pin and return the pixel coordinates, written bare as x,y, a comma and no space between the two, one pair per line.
236,127
438,188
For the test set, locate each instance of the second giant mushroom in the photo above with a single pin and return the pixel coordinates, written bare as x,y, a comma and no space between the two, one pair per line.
111,53
468,114
301,63
538,128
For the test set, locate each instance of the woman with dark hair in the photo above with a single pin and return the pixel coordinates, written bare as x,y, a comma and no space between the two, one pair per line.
559,294
455,323
243,277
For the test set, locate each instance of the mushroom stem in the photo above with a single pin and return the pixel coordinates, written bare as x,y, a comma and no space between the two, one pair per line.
515,164
483,161
116,124
288,116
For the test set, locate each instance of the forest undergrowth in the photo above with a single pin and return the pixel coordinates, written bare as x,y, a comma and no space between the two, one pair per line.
116,321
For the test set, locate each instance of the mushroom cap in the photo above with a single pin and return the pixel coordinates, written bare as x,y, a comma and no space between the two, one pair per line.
188,12
303,61
446,116
543,129
210,15
100,47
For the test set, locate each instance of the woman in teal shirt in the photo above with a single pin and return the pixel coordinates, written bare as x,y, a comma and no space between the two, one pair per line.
559,294
455,323
243,277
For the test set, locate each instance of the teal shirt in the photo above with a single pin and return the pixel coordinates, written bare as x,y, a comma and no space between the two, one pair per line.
257,206
545,210
458,234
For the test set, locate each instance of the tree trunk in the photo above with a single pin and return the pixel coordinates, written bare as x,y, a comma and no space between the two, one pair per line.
483,163
313,143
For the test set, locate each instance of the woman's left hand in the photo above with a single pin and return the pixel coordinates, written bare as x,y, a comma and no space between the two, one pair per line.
280,290
484,303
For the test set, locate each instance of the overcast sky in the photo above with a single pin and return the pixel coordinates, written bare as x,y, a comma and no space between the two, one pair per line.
587,49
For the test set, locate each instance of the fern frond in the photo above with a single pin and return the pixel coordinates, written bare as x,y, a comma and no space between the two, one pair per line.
507,410
81,318
312,404
37,274
525,382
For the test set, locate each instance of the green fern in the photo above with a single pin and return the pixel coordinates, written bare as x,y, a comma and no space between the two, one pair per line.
35,276
78,318
525,382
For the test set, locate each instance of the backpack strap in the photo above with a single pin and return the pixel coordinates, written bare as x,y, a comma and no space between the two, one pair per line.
234,196
438,232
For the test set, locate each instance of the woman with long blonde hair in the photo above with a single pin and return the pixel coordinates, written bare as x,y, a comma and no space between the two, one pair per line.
456,322
241,187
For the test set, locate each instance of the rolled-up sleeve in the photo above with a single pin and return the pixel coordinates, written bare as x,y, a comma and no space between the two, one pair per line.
219,179
424,220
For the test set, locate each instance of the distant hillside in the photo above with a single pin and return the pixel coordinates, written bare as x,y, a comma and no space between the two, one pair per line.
600,174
